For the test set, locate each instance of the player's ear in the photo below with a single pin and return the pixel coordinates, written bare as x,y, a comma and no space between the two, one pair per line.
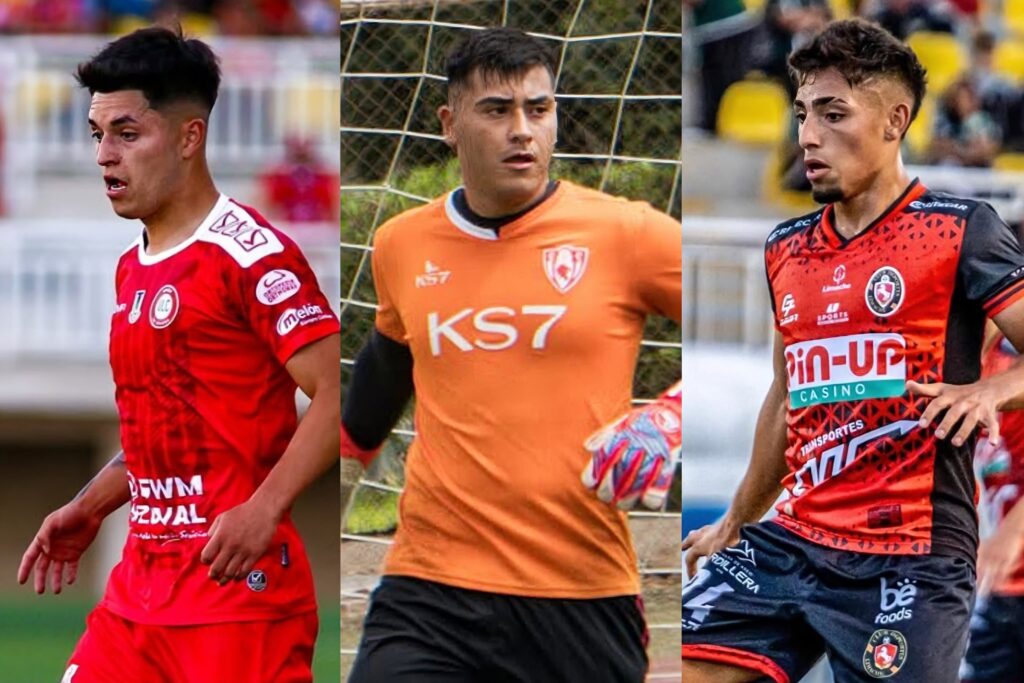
193,137
445,113
897,122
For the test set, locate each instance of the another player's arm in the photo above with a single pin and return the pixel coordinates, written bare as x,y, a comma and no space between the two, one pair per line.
67,532
762,483
241,535
1001,553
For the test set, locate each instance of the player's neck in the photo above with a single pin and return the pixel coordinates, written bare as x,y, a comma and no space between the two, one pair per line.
498,207
855,214
179,218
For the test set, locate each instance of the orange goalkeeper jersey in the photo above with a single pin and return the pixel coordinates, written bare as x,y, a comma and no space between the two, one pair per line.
523,343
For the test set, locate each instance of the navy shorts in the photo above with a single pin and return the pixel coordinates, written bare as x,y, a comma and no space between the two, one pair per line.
995,653
776,603
419,631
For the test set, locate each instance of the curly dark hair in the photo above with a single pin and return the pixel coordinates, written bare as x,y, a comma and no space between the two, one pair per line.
860,51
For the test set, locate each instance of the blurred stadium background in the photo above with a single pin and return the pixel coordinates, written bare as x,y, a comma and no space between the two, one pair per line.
619,109
273,137
743,173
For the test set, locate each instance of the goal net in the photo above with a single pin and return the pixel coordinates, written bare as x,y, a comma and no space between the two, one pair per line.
619,107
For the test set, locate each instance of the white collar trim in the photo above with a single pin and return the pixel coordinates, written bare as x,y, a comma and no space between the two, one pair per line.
152,259
463,224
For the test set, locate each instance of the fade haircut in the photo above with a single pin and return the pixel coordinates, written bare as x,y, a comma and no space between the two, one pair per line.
499,54
167,67
860,51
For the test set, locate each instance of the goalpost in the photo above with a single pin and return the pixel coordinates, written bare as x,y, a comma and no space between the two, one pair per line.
620,109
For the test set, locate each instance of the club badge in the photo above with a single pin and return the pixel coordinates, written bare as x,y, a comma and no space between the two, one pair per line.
564,265
885,290
885,653
165,307
256,581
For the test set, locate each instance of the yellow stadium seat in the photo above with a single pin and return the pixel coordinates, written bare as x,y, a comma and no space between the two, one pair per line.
1013,16
942,55
46,91
754,112
198,25
312,104
754,5
1008,59
919,136
1009,161
841,9
128,23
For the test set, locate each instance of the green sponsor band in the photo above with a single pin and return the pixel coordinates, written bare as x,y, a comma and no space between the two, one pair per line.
850,391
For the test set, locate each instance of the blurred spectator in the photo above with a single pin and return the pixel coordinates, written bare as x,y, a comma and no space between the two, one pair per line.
964,134
788,24
903,17
996,95
302,188
722,31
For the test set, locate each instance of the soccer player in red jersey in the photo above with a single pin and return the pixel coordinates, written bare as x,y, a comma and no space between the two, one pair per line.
218,320
995,652
880,300
515,305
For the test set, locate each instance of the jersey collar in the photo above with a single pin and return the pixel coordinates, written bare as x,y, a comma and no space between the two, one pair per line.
151,259
467,226
914,190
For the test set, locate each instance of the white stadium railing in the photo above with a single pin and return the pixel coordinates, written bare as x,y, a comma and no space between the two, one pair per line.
57,283
271,88
725,294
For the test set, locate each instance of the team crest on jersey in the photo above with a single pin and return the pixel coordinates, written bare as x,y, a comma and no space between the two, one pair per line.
885,653
165,307
564,265
136,312
884,293
256,581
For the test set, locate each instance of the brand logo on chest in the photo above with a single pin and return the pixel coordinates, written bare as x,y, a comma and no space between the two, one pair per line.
136,312
564,265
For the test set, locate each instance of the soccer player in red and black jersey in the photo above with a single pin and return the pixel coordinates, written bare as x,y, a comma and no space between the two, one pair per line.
880,300
218,320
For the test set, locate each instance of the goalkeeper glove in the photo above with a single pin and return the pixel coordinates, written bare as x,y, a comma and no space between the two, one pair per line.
634,458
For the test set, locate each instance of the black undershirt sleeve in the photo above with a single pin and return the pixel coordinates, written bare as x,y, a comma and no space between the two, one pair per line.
381,386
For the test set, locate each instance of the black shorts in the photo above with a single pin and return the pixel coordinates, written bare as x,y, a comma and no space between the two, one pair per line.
995,653
419,631
776,603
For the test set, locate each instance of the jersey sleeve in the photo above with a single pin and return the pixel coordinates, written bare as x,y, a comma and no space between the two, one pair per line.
388,321
658,264
991,262
283,303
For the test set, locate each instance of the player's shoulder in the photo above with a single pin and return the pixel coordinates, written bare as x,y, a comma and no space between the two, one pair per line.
794,226
411,223
932,203
241,233
604,208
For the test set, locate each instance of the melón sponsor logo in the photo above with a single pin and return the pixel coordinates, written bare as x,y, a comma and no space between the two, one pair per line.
849,368
294,317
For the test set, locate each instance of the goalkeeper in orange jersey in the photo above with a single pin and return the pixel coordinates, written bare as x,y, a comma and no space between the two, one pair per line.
515,306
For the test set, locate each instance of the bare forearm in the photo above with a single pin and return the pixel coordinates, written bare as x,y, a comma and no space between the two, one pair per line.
311,452
762,483
107,491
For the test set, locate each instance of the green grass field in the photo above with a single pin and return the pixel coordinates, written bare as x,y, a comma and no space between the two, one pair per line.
38,637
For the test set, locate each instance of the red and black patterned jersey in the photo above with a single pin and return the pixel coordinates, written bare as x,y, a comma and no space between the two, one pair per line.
1001,467
904,299
198,346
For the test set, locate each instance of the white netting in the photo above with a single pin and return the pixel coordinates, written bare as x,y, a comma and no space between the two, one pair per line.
619,107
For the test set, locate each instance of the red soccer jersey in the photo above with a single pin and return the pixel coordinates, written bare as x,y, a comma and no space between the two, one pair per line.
904,299
1002,467
198,344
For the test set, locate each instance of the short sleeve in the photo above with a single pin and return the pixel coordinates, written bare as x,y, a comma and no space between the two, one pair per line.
388,321
991,262
283,302
658,267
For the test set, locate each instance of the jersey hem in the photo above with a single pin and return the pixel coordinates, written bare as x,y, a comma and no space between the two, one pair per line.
1003,299
142,617
804,531
285,353
520,591
718,654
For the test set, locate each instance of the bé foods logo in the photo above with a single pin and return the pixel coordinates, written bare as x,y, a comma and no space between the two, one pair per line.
847,368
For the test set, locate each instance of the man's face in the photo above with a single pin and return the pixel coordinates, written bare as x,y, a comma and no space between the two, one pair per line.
843,132
138,149
504,134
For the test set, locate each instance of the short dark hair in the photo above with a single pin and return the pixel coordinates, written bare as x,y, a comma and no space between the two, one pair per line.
161,62
497,52
860,50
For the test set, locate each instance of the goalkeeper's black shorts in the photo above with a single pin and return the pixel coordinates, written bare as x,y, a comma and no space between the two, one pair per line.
419,631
